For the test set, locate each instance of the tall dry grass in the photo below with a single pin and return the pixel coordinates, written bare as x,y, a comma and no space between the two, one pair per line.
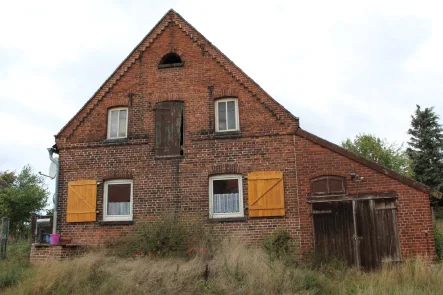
233,269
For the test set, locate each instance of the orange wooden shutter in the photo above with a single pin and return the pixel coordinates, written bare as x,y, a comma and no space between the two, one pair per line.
82,199
266,194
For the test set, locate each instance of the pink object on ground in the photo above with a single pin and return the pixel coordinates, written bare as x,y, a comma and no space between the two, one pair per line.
54,239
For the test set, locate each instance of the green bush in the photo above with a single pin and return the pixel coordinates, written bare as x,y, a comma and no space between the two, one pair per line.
16,266
164,237
278,245
439,213
438,238
9,274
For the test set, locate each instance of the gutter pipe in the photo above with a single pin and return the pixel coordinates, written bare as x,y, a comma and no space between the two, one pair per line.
55,197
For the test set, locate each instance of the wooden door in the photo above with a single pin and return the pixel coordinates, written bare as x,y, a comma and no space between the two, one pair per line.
361,232
334,231
377,233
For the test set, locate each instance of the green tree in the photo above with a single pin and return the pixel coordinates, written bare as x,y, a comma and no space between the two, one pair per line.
25,195
379,150
426,147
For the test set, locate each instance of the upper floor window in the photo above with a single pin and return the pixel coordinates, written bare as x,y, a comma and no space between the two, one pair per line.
171,60
226,115
118,200
225,196
118,123
169,128
328,185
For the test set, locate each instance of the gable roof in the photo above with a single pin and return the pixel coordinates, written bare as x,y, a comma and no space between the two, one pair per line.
173,18
276,109
368,163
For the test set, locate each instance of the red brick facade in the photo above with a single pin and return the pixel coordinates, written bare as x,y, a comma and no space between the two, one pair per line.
270,139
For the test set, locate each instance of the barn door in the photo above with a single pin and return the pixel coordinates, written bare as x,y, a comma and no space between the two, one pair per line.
361,232
334,231
377,233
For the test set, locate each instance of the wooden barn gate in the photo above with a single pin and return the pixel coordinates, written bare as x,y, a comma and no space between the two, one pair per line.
362,232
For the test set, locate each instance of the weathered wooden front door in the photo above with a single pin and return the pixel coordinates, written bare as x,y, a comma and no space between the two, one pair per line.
362,232
334,230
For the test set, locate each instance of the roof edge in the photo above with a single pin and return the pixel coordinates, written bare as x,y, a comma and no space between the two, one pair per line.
368,163
115,71
291,115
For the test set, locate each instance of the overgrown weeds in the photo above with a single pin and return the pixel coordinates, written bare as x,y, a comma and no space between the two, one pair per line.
232,268
438,238
16,266
165,237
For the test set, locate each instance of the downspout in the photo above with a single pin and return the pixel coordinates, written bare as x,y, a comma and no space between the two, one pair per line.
55,197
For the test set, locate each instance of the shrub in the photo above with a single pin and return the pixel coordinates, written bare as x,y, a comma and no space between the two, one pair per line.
164,237
16,267
9,274
278,245
438,238
438,212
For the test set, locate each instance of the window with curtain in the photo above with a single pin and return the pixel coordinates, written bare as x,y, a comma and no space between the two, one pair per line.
226,115
118,123
225,196
118,200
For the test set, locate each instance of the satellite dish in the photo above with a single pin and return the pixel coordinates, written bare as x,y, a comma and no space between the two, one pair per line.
52,170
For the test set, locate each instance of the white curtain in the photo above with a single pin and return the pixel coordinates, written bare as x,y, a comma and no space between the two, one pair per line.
225,203
118,208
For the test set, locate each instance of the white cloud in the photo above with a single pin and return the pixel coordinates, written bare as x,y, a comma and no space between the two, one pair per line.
343,67
51,33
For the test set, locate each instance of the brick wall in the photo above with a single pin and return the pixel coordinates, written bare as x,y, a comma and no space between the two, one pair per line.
45,253
267,141
414,215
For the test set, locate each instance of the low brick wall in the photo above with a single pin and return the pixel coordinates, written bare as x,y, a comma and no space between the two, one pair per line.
44,252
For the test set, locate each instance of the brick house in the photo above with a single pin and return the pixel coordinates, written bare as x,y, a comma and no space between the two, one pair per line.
179,128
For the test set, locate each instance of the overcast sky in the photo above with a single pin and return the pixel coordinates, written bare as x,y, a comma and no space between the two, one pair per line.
342,67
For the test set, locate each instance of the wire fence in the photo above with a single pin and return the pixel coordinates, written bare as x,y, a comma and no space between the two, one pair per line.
4,237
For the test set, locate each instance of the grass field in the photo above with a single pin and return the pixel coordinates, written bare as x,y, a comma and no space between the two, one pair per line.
232,268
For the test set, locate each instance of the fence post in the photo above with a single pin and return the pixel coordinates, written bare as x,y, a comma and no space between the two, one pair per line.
4,237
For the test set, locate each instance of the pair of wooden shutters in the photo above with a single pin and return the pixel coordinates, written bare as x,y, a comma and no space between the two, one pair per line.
169,128
265,197
266,194
82,200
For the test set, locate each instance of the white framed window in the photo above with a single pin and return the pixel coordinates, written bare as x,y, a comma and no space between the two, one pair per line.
225,196
118,123
226,115
117,200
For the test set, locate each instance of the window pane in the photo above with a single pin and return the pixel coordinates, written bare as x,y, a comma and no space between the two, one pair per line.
122,124
114,124
231,114
222,115
225,196
119,199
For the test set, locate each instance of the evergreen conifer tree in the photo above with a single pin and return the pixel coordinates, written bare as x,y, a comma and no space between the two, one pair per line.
426,148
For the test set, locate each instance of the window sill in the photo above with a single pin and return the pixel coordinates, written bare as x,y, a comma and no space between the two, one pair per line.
169,157
121,222
166,66
227,134
115,140
228,219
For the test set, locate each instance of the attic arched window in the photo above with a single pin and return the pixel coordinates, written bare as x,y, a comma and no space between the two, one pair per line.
328,185
170,60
